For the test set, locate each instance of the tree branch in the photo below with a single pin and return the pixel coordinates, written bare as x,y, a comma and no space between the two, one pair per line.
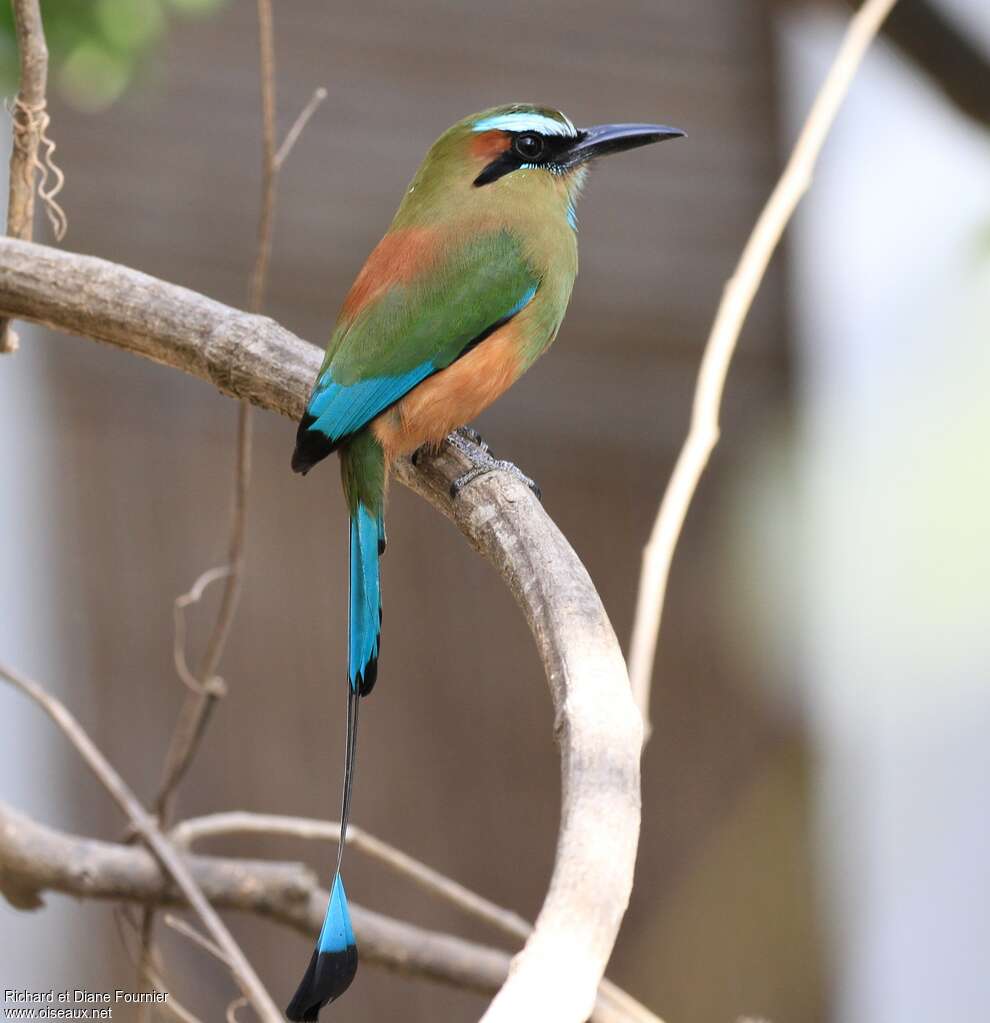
596,722
27,110
597,726
35,859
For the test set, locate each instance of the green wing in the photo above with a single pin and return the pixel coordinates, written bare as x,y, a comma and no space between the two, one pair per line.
415,329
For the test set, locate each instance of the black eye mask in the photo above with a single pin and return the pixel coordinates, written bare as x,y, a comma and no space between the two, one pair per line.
529,149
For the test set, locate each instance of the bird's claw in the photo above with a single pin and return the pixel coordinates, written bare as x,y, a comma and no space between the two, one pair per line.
464,438
494,465
470,443
471,435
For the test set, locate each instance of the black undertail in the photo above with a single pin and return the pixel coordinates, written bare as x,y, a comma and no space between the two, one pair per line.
327,977
312,446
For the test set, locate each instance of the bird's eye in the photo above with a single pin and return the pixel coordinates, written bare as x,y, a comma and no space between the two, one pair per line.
529,146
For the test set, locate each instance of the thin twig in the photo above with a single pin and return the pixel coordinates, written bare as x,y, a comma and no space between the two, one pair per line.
737,298
207,689
269,169
237,1003
192,596
33,54
194,716
170,1005
195,829
319,95
27,130
162,849
188,931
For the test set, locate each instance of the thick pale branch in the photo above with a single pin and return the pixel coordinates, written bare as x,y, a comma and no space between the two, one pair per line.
598,728
596,722
243,355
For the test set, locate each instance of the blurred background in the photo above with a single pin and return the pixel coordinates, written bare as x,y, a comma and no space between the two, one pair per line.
815,835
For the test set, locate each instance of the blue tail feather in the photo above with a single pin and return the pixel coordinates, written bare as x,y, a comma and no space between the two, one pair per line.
337,934
364,627
334,961
333,964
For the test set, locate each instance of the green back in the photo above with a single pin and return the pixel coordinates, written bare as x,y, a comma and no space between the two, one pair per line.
433,319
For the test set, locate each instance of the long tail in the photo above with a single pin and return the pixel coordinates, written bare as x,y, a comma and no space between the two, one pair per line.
334,962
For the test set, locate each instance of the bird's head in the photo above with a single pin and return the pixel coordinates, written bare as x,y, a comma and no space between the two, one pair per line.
510,151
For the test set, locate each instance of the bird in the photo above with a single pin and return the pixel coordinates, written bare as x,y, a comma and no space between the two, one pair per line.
465,291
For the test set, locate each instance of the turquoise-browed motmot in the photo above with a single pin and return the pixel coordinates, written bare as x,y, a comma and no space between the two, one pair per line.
464,292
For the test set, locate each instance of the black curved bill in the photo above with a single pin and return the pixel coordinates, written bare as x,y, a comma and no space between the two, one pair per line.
602,139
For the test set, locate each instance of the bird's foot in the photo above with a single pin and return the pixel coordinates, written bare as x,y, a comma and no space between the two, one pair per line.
470,443
470,434
462,438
